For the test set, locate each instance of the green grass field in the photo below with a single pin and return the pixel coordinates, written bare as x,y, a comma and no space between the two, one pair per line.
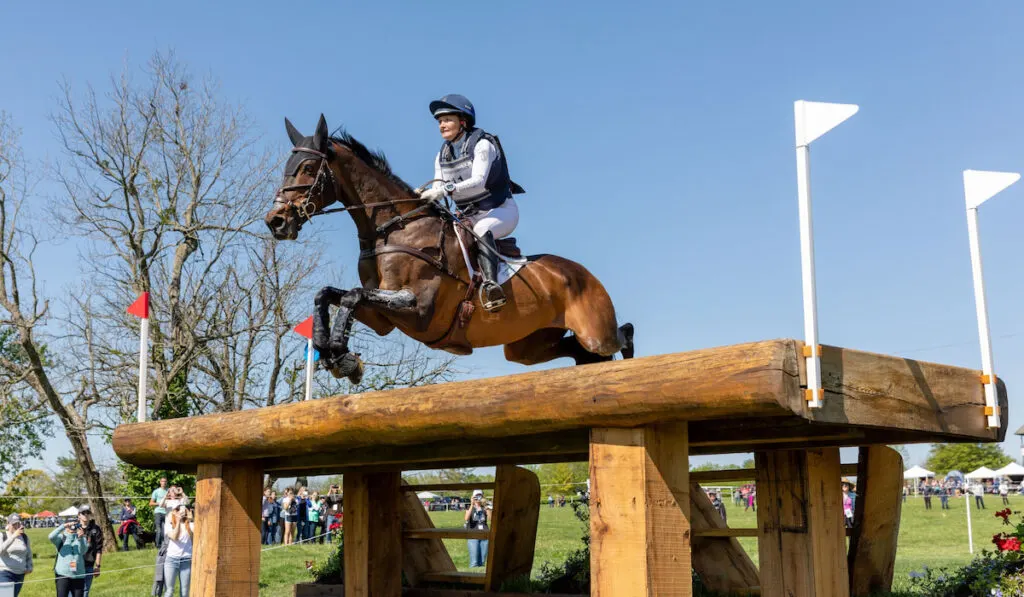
934,538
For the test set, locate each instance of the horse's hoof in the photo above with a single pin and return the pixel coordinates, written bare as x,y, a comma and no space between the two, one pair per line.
627,345
348,365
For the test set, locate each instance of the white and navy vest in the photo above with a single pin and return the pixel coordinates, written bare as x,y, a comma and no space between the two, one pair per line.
456,160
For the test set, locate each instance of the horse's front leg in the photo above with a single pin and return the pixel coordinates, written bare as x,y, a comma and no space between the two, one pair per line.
343,363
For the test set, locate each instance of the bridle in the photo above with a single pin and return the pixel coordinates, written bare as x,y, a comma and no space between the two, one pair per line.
307,208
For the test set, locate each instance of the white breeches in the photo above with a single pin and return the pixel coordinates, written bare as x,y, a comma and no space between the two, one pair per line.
500,221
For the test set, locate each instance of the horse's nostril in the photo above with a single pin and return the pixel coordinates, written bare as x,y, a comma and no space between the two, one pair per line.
276,222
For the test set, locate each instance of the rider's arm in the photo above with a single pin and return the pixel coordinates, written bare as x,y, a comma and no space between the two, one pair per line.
484,155
438,183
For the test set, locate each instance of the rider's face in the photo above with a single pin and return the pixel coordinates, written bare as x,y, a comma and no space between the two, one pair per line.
450,126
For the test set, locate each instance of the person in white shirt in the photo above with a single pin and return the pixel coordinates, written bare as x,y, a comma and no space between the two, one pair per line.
178,532
471,168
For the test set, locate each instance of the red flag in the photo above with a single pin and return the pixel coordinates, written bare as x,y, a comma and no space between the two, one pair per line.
140,308
305,328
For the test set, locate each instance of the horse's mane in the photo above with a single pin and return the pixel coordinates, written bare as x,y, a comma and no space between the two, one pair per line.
374,159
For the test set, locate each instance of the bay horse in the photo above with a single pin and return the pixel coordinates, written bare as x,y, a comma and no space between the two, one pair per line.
414,270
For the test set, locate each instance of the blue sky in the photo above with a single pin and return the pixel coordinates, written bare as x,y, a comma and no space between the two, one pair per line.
655,140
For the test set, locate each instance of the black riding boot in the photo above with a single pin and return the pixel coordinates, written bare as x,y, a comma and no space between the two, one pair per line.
492,297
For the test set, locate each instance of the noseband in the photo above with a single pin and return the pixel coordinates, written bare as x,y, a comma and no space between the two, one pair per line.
308,208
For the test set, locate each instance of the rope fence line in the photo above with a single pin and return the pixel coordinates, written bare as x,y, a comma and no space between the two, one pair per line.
189,558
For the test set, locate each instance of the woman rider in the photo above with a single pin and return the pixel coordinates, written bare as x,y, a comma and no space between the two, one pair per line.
471,168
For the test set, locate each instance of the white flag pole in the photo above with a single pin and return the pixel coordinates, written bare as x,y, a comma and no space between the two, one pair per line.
970,536
979,186
812,120
143,368
309,369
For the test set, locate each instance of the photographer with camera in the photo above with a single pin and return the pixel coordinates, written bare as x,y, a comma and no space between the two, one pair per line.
15,554
69,569
178,563
94,538
478,517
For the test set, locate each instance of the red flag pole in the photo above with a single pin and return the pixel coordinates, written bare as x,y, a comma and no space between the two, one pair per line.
306,329
140,308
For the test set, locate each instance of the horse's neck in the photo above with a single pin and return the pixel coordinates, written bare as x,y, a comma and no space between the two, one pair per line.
384,202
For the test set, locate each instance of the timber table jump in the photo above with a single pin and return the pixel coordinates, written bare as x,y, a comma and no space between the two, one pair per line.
637,421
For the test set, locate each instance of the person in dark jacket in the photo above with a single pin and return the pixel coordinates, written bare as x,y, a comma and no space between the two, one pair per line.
717,504
94,539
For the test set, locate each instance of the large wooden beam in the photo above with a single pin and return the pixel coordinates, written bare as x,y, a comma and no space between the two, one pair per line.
226,560
697,385
802,544
640,512
872,556
373,534
876,390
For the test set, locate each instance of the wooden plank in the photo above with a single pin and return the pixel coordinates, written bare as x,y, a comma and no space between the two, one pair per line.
513,525
825,522
445,534
640,509
373,534
721,562
872,556
898,393
704,384
422,555
446,486
226,560
727,532
799,512
745,474
468,578
315,590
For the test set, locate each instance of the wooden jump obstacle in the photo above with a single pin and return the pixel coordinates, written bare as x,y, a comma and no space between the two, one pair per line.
637,422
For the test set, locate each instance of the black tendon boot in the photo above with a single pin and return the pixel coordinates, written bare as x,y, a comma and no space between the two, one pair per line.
492,297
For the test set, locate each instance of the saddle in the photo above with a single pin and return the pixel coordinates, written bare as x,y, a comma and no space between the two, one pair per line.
454,339
507,247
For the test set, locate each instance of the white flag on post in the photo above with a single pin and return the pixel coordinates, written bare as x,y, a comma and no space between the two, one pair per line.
979,187
814,119
982,185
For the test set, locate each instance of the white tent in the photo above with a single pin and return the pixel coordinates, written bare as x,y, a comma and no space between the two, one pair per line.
72,511
917,472
1011,470
982,473
426,495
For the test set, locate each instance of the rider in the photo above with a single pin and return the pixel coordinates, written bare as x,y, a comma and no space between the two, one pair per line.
471,168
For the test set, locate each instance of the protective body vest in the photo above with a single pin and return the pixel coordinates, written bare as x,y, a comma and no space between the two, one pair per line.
456,161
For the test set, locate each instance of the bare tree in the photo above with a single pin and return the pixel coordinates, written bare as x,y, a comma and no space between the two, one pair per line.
23,310
164,180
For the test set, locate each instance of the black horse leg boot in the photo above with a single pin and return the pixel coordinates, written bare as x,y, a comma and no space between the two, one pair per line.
492,297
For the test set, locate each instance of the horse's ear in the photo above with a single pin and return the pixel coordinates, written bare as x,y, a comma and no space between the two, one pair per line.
293,133
320,136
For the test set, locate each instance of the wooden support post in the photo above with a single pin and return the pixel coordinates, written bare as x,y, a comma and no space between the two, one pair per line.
640,512
876,524
802,541
373,534
226,560
513,525
722,564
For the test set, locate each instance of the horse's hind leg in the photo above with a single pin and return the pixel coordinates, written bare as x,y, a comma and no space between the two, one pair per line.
591,317
549,344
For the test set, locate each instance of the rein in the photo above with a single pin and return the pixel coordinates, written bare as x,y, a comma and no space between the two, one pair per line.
308,210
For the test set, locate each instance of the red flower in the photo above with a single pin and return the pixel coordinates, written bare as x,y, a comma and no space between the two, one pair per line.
1004,543
1005,515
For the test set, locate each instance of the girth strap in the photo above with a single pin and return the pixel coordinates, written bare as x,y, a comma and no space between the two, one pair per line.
385,249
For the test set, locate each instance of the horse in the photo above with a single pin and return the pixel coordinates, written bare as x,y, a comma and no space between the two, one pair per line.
416,273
